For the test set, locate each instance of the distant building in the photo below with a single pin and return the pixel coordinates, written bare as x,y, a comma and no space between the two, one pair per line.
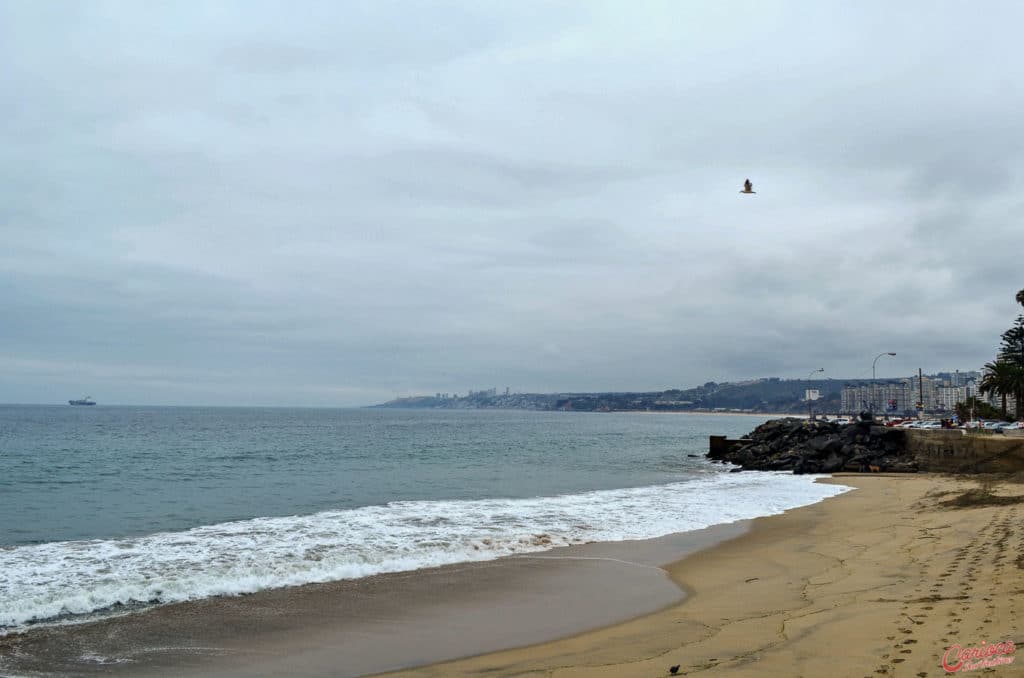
883,397
934,394
948,397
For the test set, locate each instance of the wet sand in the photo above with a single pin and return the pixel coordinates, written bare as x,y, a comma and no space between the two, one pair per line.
882,581
376,624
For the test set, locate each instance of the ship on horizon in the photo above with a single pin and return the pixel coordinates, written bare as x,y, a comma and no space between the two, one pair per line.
87,400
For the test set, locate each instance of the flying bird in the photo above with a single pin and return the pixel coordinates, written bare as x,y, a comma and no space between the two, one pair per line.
675,669
748,187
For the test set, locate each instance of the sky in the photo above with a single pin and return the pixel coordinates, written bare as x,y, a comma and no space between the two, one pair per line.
338,203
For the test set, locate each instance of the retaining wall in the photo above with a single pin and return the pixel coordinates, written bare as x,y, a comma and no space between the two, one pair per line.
951,451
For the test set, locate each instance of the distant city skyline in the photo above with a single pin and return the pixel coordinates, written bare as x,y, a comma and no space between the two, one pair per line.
967,375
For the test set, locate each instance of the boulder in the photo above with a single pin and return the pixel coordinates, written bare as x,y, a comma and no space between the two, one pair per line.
821,447
832,464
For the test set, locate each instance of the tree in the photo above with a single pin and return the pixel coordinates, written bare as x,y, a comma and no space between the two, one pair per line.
974,408
1011,350
1015,382
1020,297
998,378
1012,346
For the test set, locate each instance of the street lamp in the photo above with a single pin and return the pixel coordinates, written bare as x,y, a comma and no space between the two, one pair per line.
873,379
810,403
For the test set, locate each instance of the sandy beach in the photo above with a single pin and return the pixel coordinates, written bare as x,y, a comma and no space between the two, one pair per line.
878,581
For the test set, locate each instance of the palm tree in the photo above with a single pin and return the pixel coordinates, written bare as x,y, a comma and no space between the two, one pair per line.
1015,382
998,378
1011,350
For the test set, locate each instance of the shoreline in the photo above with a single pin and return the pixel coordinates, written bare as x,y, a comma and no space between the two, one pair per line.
384,622
880,581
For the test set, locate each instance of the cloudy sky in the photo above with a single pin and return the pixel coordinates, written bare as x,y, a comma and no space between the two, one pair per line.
337,203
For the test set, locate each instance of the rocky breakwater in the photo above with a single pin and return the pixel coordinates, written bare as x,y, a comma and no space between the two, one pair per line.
808,446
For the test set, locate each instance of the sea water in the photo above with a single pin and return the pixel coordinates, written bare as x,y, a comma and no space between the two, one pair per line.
104,509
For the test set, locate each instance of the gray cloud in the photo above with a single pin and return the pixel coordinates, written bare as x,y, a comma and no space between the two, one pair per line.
336,203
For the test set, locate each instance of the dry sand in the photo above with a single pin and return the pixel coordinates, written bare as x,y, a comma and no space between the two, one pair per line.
876,582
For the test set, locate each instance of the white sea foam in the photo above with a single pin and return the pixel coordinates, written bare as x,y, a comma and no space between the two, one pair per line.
48,581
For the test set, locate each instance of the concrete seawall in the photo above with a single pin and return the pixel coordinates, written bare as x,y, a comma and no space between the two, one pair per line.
951,451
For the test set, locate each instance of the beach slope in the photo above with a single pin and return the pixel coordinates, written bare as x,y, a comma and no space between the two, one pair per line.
881,581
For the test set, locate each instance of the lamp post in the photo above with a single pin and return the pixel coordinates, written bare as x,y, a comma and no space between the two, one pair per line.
873,362
810,403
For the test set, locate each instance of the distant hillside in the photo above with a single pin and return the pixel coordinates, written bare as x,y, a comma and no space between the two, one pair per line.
758,395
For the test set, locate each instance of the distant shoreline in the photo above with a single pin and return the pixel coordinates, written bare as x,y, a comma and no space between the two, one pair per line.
714,413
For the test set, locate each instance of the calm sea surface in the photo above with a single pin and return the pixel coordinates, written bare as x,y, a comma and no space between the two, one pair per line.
102,507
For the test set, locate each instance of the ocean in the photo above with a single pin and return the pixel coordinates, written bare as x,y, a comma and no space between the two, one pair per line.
105,510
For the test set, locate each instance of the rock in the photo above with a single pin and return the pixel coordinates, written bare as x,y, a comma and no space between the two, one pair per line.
821,447
818,444
783,463
832,464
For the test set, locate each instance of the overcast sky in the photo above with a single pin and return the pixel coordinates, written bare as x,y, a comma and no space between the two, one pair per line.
337,203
